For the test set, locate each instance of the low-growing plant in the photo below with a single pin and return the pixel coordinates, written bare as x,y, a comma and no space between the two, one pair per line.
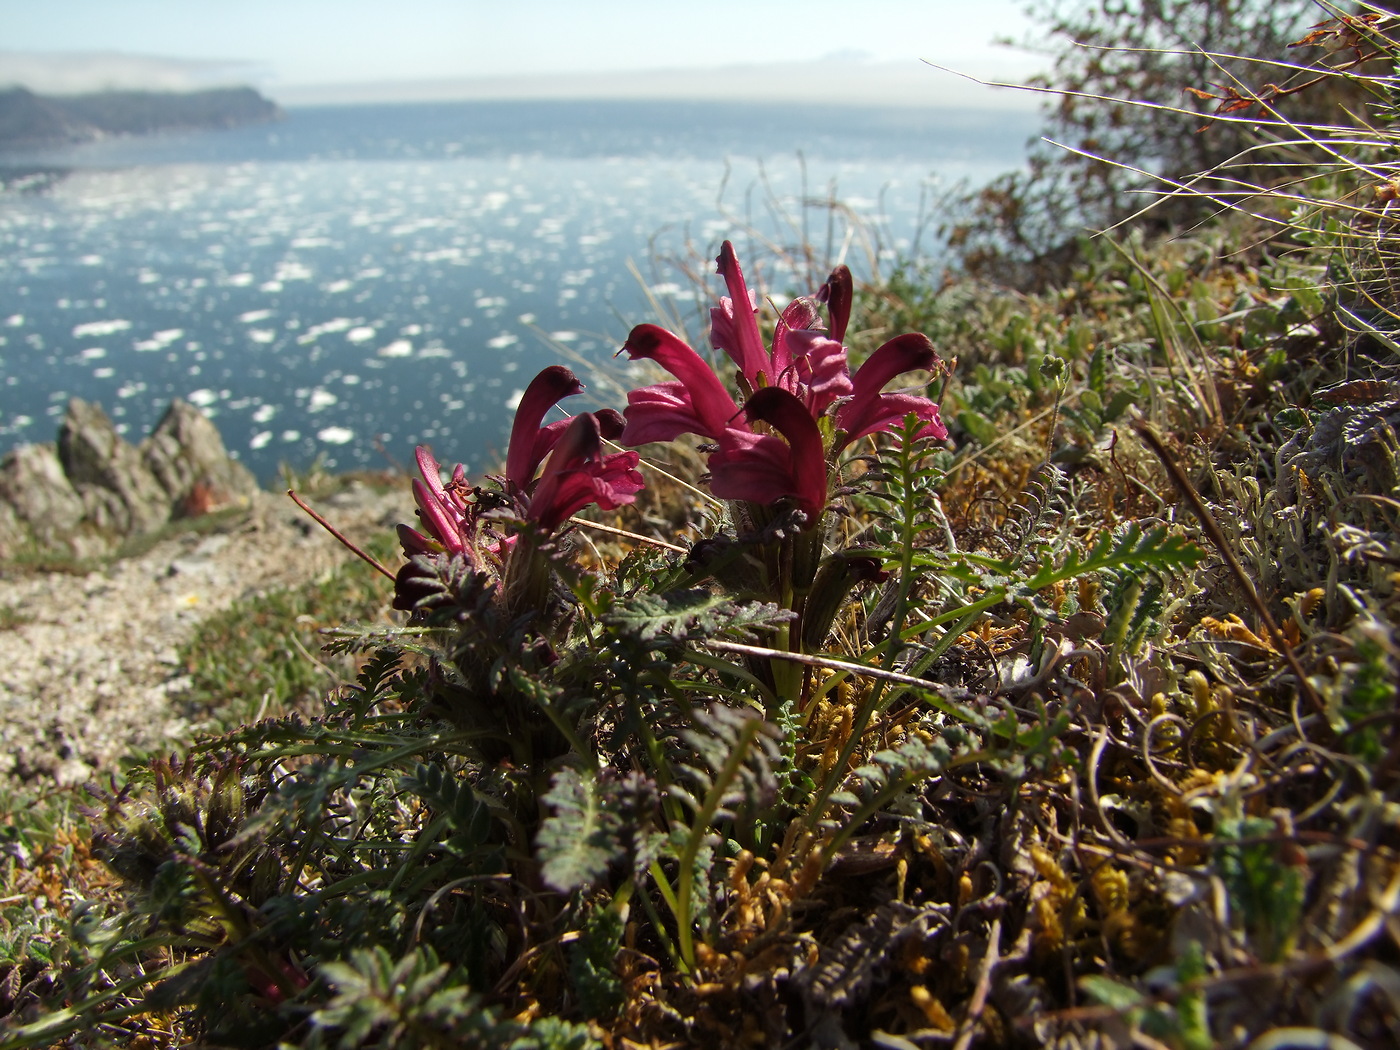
606,794
1052,703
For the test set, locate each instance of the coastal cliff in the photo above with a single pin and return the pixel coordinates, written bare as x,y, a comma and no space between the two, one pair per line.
29,121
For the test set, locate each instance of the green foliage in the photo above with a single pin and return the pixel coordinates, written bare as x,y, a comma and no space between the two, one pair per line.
1266,891
1001,750
580,838
591,963
258,656
1134,87
415,1001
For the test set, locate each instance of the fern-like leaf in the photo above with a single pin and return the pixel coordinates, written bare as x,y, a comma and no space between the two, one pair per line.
579,839
692,615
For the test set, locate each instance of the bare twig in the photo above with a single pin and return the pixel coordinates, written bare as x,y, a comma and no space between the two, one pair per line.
1217,537
357,551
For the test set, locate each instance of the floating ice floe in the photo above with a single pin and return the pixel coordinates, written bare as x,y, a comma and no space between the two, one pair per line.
320,399
103,373
490,302
92,353
291,435
239,280
502,341
563,337
290,270
14,320
398,348
130,389
91,260
96,328
160,340
335,435
253,316
362,334
336,287
513,402
203,397
264,413
260,439
665,288
262,335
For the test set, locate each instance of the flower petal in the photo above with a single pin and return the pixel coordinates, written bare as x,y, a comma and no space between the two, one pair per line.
764,469
734,323
798,324
904,353
577,475
437,516
431,471
698,404
529,443
869,411
819,364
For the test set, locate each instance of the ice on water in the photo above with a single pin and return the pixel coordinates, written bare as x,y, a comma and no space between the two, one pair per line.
358,302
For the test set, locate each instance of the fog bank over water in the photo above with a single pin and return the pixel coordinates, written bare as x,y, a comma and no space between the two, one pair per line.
835,82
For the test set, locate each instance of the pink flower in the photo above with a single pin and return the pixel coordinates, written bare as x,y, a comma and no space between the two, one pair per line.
868,411
697,404
822,407
448,511
805,360
765,468
459,522
578,474
529,441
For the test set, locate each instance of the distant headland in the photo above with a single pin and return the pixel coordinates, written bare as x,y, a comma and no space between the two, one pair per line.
30,121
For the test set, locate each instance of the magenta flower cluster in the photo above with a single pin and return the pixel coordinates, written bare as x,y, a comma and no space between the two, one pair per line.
801,406
801,387
461,520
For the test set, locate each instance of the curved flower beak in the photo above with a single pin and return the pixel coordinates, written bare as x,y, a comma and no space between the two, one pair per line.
697,404
869,410
529,441
838,293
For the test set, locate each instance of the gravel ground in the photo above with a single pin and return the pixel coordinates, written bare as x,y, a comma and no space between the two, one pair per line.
88,664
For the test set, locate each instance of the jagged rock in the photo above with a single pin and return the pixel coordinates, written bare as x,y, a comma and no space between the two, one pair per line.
39,508
186,456
120,494
93,490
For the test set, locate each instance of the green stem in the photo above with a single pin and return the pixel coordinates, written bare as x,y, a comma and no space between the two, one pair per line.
894,643
703,818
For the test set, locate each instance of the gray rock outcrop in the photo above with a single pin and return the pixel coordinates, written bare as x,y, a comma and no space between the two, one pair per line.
93,490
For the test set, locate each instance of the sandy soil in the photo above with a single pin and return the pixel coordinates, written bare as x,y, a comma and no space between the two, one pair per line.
88,664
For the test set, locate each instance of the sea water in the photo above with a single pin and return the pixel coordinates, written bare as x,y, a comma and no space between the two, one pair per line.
355,280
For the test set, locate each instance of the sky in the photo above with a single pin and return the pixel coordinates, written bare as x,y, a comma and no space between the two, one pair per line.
299,51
